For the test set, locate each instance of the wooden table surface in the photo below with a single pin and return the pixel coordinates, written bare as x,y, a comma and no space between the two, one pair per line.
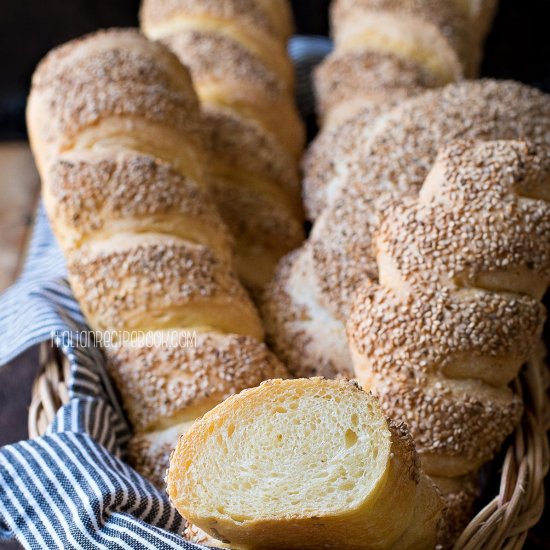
19,186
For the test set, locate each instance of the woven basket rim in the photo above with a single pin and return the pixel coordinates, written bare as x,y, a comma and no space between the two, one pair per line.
503,523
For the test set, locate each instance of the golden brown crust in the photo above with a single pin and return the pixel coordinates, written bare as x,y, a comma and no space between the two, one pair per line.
370,78
274,20
132,53
442,14
481,420
388,50
241,144
255,185
159,382
504,243
447,17
232,65
100,194
252,218
109,74
263,230
214,58
392,328
343,263
280,118
382,167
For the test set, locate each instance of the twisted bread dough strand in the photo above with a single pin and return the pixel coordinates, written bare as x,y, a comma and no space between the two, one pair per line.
382,167
363,177
367,83
388,50
306,337
457,309
236,53
117,134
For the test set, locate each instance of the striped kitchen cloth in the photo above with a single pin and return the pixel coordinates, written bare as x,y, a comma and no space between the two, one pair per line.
71,488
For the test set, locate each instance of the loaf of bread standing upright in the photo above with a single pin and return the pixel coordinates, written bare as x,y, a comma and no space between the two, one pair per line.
236,53
116,130
304,464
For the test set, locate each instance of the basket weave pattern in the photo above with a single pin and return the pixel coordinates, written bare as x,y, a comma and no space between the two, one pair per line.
502,524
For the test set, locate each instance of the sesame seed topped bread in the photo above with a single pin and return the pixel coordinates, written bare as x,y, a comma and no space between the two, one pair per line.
389,50
300,331
118,137
386,51
303,464
236,53
456,311
361,172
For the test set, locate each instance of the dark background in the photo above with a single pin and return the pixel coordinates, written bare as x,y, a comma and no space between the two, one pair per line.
518,47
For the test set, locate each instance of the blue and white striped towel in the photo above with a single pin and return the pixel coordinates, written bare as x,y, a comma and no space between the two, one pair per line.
71,488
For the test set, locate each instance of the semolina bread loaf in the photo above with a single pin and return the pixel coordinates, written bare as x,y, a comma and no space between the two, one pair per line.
457,307
303,464
236,53
118,137
369,170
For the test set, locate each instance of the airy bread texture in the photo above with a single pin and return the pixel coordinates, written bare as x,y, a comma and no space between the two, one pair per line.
457,311
236,53
166,388
118,137
368,171
303,464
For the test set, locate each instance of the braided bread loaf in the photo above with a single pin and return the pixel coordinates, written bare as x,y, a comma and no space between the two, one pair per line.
116,130
236,52
457,309
362,180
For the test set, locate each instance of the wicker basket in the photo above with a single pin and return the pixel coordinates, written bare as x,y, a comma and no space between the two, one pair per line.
502,524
